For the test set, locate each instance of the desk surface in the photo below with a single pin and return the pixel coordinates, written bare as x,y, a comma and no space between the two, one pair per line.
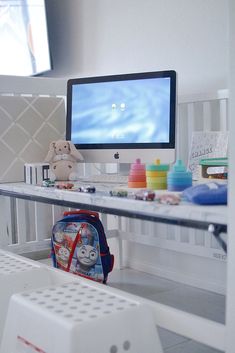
185,214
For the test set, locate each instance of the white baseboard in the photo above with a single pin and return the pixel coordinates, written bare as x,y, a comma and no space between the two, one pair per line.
209,283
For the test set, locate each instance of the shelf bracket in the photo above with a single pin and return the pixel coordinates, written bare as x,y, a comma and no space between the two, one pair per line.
216,230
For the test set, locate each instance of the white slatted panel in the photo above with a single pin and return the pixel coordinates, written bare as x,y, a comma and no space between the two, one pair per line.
190,121
223,115
23,232
5,222
200,113
57,213
43,221
207,123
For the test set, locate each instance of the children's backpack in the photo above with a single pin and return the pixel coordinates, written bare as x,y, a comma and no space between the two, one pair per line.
79,246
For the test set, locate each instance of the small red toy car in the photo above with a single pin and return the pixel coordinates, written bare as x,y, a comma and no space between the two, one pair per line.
66,186
145,195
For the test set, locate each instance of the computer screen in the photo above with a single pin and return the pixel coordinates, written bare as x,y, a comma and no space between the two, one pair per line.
123,117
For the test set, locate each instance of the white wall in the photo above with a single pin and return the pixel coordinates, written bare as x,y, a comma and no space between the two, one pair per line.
99,37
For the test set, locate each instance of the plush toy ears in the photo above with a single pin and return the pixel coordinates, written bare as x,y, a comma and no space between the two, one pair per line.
74,152
51,152
52,145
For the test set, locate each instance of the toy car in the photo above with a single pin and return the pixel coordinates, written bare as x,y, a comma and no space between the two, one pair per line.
48,183
169,199
118,193
90,189
67,186
145,195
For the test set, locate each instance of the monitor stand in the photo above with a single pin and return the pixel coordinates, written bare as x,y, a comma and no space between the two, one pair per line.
117,168
105,173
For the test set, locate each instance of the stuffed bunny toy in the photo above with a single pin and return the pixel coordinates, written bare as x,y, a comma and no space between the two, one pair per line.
63,157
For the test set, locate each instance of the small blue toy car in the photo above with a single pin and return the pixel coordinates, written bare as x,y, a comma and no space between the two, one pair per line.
90,189
48,183
118,193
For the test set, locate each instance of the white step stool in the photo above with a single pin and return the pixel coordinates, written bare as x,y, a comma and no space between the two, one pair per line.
78,317
18,275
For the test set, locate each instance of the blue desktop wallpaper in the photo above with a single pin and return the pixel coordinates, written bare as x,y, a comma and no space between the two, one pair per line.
134,111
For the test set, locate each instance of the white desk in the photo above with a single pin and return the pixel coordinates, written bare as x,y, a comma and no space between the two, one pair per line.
186,214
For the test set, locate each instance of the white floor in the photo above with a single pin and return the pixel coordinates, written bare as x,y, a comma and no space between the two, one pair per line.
187,298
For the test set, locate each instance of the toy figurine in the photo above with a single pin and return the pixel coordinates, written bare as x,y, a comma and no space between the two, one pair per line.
63,157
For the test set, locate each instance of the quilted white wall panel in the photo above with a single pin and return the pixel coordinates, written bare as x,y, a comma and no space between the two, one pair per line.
27,126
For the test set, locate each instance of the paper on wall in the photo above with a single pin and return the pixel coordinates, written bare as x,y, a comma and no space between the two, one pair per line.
213,144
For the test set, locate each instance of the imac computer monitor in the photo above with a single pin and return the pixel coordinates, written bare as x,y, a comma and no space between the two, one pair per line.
120,118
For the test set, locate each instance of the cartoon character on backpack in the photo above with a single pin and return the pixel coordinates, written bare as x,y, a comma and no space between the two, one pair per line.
63,245
88,258
63,255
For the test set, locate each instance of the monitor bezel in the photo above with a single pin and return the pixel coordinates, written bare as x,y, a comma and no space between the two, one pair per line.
123,77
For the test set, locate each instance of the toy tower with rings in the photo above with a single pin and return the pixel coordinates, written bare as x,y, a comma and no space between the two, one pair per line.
157,175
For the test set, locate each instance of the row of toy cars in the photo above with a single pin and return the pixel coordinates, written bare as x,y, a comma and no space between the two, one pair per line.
148,195
68,186
142,194
211,193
